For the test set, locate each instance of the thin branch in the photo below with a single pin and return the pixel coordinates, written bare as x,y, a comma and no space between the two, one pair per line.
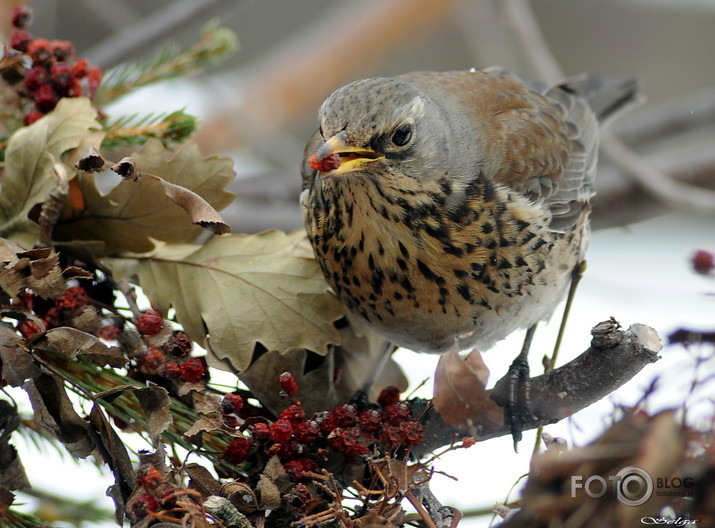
615,356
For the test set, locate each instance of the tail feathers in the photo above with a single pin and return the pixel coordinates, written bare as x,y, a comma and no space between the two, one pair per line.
608,97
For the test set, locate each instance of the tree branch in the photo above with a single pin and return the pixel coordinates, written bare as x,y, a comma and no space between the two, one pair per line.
615,356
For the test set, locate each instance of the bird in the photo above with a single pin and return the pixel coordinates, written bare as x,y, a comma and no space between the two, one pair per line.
449,209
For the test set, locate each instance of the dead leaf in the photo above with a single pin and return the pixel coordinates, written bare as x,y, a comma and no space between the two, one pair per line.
17,363
36,269
199,210
71,342
28,177
115,455
241,290
156,404
133,213
54,411
459,393
202,480
270,496
12,474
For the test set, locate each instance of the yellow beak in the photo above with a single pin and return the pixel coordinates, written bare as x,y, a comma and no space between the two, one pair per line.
339,157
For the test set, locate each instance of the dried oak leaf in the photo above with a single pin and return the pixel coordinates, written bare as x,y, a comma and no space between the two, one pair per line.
29,161
36,269
459,393
133,213
155,403
12,474
241,290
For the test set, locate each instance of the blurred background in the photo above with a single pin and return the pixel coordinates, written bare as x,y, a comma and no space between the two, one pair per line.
655,205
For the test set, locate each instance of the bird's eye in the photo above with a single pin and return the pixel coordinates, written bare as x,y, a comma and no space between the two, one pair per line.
402,135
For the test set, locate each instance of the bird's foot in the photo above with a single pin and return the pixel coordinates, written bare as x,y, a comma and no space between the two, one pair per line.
513,393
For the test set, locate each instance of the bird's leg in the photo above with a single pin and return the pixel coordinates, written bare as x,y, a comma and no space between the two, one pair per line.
512,392
362,396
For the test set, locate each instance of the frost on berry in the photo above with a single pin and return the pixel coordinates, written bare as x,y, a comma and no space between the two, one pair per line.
287,383
192,370
281,431
411,433
397,413
150,322
371,420
347,442
237,451
345,415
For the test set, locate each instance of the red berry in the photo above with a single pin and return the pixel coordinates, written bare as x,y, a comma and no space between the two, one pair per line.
25,300
231,404
150,322
180,345
152,361
80,69
295,414
237,451
39,51
390,436
260,431
326,422
21,16
298,499
74,89
397,413
45,98
20,40
281,431
703,262
144,504
171,370
326,164
297,468
288,384
61,75
371,420
62,50
149,477
411,433
72,298
192,370
31,117
307,432
345,415
94,79
468,441
109,332
347,442
29,328
389,395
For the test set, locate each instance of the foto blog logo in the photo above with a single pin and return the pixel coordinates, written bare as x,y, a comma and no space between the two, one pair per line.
632,485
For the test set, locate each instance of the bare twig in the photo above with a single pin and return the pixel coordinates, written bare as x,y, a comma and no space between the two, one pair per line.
615,356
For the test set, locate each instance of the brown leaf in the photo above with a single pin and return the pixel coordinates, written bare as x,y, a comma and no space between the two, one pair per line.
92,161
156,404
115,455
127,169
17,363
133,214
459,393
6,499
200,211
12,474
54,412
208,406
37,269
71,342
202,480
241,290
270,496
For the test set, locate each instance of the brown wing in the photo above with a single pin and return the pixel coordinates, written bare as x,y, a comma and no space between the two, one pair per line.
542,142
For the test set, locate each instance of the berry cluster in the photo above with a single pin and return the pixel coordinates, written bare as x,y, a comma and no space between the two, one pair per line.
53,74
53,313
158,494
299,440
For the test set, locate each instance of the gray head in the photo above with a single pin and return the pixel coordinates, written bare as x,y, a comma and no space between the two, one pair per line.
387,121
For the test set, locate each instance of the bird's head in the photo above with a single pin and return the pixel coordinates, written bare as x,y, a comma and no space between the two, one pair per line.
382,126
